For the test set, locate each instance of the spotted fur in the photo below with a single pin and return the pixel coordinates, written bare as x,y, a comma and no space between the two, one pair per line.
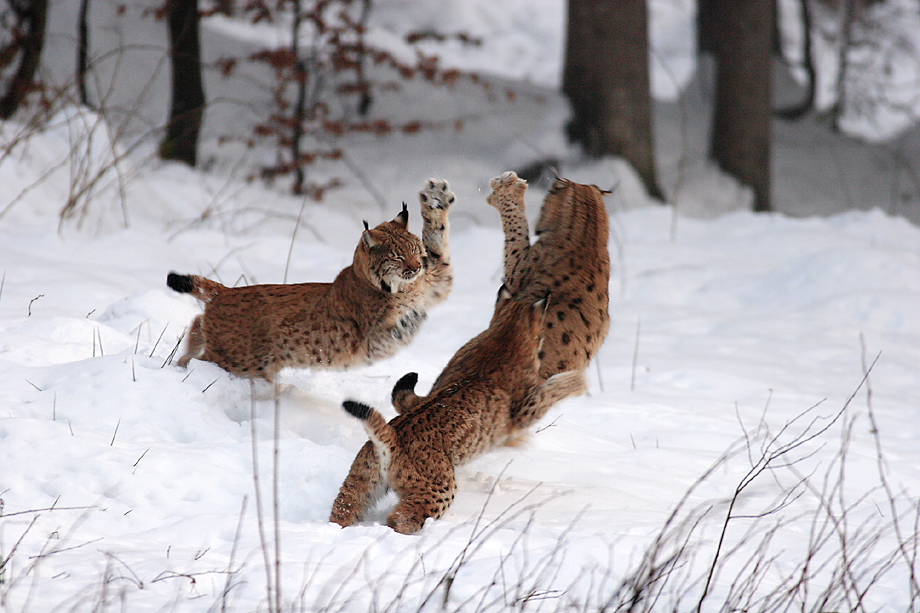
373,308
569,261
487,395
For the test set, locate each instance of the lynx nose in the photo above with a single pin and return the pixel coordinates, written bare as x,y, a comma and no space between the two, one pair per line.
411,270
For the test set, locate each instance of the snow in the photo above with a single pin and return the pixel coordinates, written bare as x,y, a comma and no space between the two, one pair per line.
127,482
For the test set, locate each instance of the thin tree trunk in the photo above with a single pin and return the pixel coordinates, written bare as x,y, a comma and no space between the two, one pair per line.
82,51
741,125
846,35
606,78
187,108
808,64
705,26
300,77
31,20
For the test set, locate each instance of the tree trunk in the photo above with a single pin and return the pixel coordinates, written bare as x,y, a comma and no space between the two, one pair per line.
28,37
300,107
705,26
187,108
83,51
808,64
848,16
606,79
741,126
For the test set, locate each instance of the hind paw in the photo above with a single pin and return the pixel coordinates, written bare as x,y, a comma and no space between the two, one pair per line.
508,188
436,195
405,522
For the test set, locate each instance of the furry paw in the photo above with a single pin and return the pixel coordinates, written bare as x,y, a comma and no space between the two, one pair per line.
436,195
565,384
404,521
508,188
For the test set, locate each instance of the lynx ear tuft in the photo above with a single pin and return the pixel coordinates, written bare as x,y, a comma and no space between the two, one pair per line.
402,218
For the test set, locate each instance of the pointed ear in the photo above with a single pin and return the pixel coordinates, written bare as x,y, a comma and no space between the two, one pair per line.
368,240
503,294
403,218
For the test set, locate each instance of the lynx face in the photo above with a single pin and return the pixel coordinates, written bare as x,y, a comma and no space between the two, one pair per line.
390,255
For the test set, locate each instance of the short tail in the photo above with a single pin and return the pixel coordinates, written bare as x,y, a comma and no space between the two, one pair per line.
356,409
382,434
403,395
199,287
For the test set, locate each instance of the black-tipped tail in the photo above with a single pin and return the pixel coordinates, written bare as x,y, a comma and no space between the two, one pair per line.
361,411
180,283
406,383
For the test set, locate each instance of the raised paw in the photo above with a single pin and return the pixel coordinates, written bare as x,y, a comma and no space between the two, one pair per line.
507,188
436,195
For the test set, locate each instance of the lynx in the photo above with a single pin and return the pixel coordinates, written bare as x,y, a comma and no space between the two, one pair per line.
373,308
569,261
488,394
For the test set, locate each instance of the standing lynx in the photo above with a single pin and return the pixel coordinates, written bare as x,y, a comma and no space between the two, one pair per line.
372,309
488,394
569,261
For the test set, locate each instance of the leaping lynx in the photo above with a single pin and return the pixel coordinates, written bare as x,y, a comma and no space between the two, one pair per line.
372,309
487,395
569,261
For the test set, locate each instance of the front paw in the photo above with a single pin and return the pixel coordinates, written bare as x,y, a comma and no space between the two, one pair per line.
508,188
436,195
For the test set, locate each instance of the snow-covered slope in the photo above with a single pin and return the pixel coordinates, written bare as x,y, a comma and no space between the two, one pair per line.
736,340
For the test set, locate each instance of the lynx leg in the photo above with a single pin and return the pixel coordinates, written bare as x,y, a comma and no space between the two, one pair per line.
363,486
423,500
507,198
436,198
196,342
553,390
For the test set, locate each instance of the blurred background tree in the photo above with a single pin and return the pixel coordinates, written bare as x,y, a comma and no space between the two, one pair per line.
740,36
606,79
186,110
22,27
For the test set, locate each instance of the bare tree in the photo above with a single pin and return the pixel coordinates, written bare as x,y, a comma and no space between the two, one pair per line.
606,79
83,51
742,34
187,108
24,22
808,66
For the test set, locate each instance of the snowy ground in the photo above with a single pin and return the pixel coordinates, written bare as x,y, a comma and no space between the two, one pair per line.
127,482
